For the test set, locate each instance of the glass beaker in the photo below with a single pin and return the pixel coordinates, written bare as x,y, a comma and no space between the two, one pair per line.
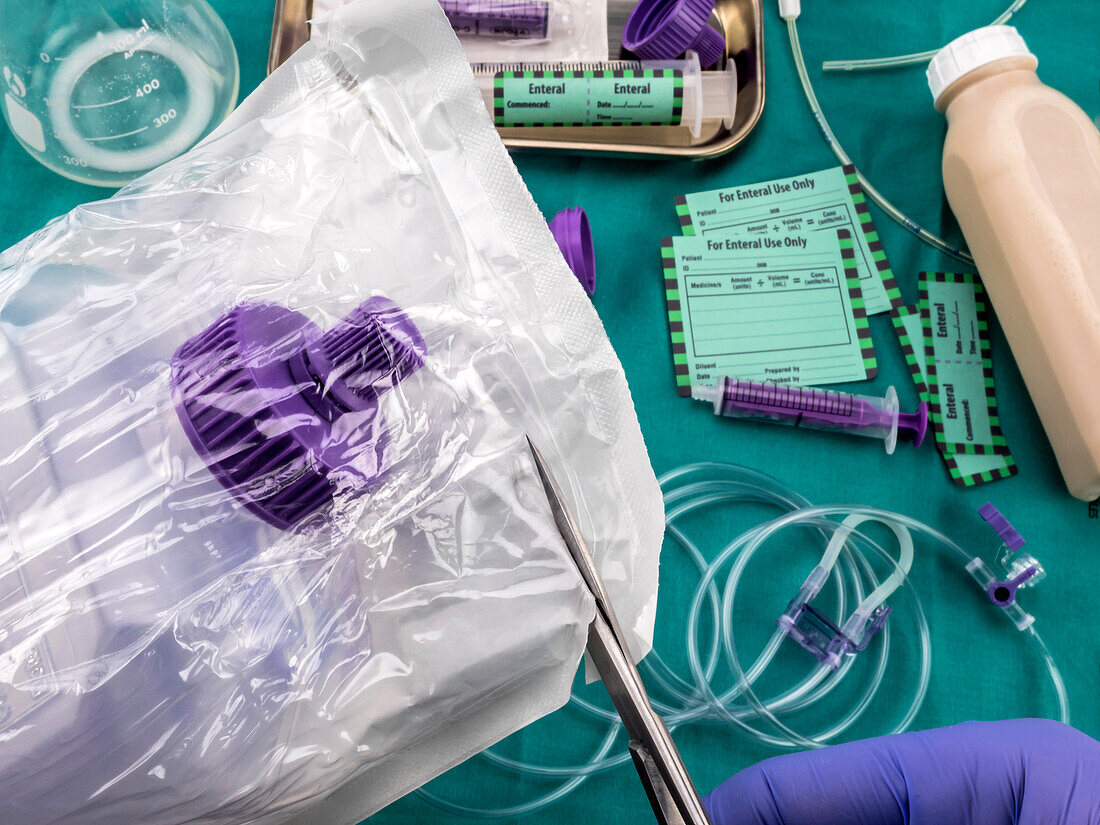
103,90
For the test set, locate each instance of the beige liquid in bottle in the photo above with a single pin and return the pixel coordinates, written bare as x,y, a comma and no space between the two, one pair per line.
1021,168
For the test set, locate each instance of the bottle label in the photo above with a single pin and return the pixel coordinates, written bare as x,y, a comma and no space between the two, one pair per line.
589,97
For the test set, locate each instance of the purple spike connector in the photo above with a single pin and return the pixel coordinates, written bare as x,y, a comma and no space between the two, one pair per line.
276,406
817,409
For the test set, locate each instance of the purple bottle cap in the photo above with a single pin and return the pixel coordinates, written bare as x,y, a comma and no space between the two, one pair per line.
574,238
665,29
274,406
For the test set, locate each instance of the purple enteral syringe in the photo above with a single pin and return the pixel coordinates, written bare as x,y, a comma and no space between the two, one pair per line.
817,409
509,19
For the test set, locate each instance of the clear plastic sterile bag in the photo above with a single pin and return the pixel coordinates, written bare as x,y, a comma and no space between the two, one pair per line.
269,527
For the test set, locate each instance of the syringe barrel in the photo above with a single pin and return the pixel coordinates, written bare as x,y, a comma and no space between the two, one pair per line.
810,407
710,95
718,94
528,95
506,19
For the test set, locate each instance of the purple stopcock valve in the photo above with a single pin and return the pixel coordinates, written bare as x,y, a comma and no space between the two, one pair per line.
814,632
816,409
574,238
276,406
665,29
1003,593
1019,569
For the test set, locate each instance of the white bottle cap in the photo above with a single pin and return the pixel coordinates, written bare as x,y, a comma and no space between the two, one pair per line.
971,51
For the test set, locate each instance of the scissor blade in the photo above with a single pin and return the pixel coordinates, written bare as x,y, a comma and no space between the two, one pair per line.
570,531
671,792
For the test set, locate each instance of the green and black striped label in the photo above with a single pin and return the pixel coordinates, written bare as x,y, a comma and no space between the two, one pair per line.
588,97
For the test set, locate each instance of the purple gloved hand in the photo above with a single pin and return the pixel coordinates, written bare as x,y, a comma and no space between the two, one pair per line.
1020,772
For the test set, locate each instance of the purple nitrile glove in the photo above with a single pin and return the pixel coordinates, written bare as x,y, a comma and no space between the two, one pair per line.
1019,772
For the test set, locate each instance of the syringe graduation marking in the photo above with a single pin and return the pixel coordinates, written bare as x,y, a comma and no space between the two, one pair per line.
796,399
517,18
613,65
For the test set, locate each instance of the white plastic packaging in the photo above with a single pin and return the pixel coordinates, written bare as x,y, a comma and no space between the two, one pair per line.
575,30
166,656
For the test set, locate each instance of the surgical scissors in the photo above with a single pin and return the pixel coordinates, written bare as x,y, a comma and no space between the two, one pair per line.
671,792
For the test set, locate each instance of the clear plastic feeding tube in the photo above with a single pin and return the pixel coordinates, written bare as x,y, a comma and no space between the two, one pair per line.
912,59
847,562
892,211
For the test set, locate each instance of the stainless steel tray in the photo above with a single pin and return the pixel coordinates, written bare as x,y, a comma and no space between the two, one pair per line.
742,22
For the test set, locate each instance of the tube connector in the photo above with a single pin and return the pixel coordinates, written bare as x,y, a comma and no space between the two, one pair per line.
790,9
814,582
814,632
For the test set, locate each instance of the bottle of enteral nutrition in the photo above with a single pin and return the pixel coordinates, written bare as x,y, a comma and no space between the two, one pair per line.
1021,167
